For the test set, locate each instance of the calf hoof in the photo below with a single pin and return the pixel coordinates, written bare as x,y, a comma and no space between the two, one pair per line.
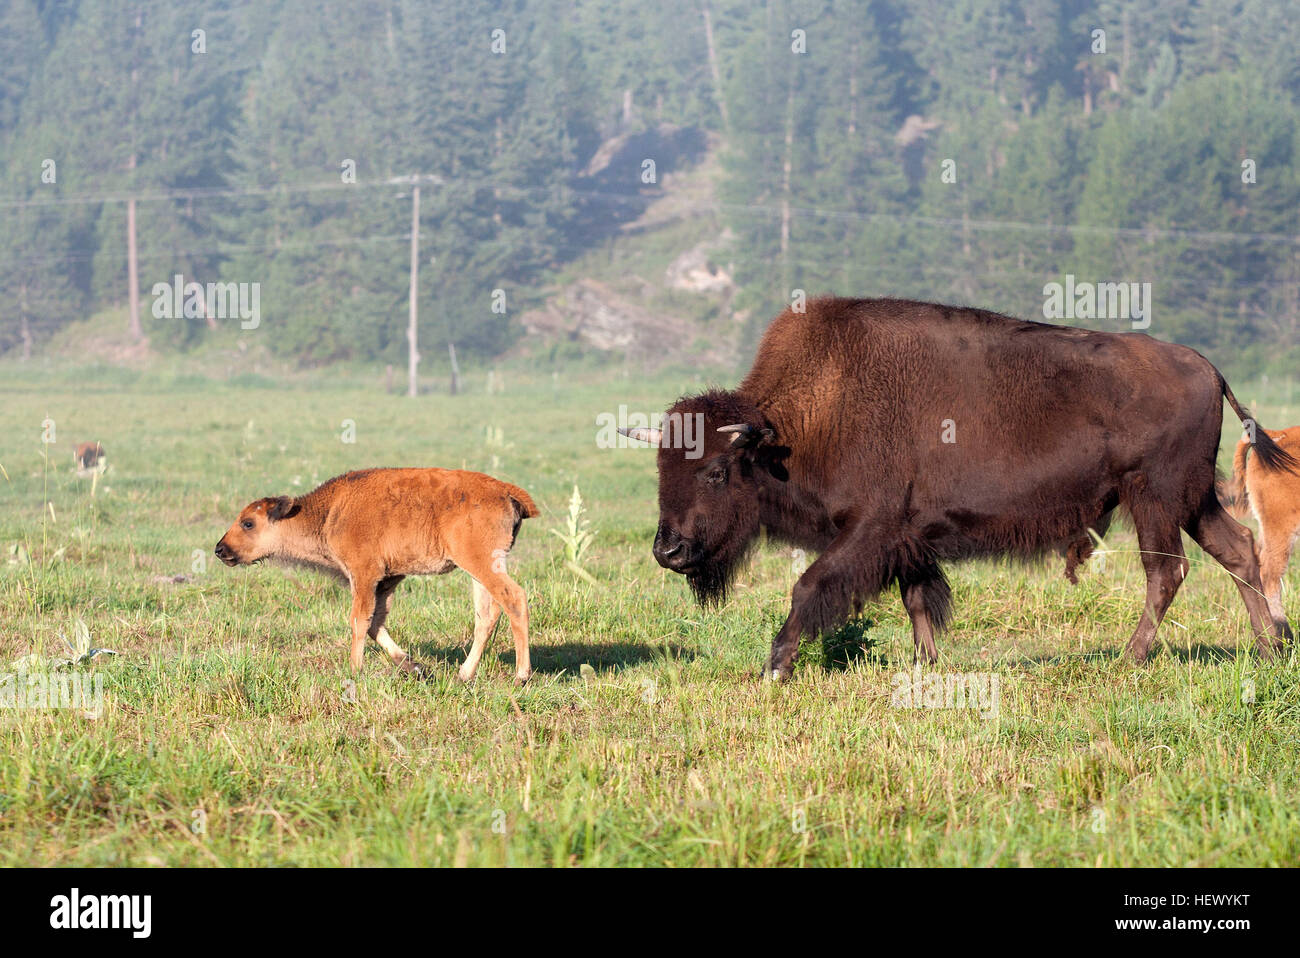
523,677
465,675
1268,648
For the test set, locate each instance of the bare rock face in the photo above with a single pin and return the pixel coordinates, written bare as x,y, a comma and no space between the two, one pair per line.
914,128
696,270
591,312
684,314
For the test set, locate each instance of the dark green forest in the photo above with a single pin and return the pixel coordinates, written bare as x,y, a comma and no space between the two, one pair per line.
968,151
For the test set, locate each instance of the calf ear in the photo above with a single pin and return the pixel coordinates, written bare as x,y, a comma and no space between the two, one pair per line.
281,508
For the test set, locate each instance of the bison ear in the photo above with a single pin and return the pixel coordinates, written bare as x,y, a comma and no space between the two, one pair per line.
282,508
643,433
777,468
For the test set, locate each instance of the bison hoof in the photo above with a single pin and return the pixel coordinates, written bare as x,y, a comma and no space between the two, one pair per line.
776,675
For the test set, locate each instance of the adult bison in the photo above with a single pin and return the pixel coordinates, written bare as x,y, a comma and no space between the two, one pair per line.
892,436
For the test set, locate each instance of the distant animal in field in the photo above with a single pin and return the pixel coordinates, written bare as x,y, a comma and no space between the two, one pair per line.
374,527
87,456
893,436
1274,499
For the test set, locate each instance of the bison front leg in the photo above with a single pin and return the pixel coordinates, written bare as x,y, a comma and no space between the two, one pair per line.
852,570
928,601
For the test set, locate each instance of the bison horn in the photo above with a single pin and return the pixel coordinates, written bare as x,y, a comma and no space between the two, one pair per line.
745,434
742,433
643,433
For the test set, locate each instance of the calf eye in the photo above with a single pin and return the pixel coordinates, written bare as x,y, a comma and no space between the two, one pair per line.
247,524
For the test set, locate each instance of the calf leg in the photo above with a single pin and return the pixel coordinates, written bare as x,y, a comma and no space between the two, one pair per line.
1231,544
384,592
1274,554
486,613
1166,567
489,572
364,588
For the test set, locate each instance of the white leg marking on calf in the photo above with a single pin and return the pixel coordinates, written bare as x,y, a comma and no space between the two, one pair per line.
395,651
486,613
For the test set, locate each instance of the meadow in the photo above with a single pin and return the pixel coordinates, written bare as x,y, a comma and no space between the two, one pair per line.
229,735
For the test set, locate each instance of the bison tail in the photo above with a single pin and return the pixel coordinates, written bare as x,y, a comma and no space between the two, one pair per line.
1233,493
1271,456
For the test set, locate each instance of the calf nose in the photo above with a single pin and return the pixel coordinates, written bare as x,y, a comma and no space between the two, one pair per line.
222,550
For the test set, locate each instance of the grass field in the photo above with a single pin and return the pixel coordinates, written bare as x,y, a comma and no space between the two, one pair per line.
228,736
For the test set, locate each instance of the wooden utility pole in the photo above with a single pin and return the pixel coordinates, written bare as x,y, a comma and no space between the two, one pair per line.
132,273
414,320
713,66
132,264
787,168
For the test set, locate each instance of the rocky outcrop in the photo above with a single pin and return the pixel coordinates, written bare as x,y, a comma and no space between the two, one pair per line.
590,312
698,271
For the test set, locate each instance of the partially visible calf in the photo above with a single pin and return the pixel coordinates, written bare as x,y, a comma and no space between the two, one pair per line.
374,527
87,456
1273,496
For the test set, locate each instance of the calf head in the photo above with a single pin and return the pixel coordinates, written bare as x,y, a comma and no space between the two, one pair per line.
255,534
716,452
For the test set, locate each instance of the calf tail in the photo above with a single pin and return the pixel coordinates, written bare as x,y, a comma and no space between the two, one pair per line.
1233,493
1271,456
524,505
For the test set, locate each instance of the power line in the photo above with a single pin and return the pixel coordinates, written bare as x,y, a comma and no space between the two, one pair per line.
768,210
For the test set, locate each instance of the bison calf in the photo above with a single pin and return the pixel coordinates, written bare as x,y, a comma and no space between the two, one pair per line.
87,456
377,526
1273,496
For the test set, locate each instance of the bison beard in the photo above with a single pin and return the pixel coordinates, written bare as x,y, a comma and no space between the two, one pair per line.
711,579
838,441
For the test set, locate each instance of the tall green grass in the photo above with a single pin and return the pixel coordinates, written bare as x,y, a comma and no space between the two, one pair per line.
229,736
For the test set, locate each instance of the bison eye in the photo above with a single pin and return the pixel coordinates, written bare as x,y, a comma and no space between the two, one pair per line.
246,524
715,474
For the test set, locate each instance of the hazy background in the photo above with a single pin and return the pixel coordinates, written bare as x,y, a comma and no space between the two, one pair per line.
794,146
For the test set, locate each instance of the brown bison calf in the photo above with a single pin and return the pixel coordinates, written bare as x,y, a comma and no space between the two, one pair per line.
87,456
377,526
1274,498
